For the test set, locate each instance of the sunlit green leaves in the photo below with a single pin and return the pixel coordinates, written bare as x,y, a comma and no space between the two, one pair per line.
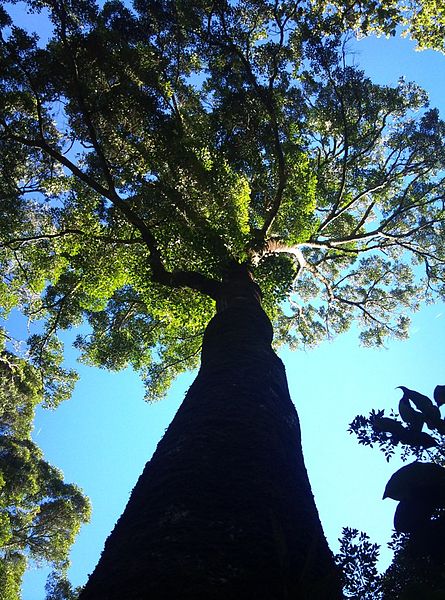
148,331
19,394
296,221
422,20
152,140
427,24
11,573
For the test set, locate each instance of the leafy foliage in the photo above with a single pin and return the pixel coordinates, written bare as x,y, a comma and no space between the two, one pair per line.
411,575
357,559
146,147
12,570
422,20
40,514
417,569
59,588
389,432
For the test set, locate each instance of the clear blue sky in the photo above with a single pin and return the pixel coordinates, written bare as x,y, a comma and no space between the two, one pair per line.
103,436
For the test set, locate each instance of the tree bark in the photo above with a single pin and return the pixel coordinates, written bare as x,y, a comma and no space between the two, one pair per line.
224,509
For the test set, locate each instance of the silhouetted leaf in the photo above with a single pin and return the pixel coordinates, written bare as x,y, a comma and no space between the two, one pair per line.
419,439
430,412
388,425
407,481
414,418
412,514
439,394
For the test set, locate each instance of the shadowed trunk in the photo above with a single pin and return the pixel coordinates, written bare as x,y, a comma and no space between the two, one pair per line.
224,509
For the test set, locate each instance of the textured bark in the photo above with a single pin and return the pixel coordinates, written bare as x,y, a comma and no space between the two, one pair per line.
224,509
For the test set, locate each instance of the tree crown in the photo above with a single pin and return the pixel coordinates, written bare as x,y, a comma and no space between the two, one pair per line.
147,148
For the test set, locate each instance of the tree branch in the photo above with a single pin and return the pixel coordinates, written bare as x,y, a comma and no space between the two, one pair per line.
49,236
266,98
191,279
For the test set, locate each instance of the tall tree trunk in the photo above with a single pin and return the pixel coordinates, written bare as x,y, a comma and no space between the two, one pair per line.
224,509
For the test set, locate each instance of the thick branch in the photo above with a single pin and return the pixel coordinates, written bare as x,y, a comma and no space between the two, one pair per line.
190,279
49,236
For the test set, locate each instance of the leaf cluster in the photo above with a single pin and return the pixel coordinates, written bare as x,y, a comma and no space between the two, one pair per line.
421,20
357,559
388,432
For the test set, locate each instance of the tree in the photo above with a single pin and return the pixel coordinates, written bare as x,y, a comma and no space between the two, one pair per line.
59,588
40,514
161,158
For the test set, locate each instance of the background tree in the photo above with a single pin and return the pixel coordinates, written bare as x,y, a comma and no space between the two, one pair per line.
59,588
40,514
146,150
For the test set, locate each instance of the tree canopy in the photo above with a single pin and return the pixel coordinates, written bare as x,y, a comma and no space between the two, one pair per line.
145,148
40,514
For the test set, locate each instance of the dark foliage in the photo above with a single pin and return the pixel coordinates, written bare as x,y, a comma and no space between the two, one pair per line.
418,567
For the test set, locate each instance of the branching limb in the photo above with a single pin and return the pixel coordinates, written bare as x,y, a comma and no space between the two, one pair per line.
265,96
160,274
9,243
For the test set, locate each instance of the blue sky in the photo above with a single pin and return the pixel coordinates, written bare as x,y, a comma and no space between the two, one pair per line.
103,436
